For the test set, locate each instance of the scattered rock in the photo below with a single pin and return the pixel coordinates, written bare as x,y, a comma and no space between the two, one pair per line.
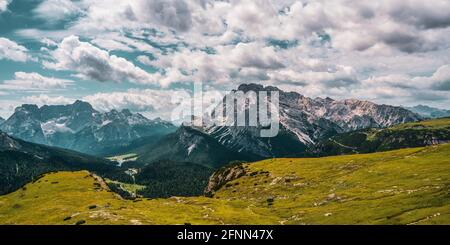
328,214
276,181
92,206
67,218
16,206
333,197
80,222
135,222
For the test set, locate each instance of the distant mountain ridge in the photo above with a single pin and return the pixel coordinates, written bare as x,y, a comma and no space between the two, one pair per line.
80,127
429,112
2,120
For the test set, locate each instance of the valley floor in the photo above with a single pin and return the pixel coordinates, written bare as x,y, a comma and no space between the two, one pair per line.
408,186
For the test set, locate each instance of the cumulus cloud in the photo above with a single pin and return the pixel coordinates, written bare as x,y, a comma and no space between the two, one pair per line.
341,48
171,13
4,5
352,25
94,63
341,76
10,50
44,99
422,14
441,78
34,82
150,102
407,89
55,10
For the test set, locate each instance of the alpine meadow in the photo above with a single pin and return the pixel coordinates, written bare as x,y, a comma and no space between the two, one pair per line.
228,114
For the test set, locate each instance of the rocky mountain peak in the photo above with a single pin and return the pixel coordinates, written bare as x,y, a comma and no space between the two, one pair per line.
28,108
256,87
250,87
82,106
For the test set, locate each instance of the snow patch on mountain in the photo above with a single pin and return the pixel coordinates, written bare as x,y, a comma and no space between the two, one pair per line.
191,148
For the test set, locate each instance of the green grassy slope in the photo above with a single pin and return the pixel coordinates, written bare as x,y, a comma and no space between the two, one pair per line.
409,186
415,134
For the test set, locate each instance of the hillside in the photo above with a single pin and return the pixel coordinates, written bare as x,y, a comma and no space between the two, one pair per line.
408,186
414,134
22,162
189,145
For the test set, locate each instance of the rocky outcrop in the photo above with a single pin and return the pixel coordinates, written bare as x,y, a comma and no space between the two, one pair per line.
223,176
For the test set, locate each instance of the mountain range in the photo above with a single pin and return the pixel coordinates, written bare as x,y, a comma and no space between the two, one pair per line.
305,121
429,112
308,127
81,128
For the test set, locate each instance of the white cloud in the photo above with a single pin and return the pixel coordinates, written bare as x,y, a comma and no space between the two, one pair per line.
110,44
148,101
4,5
341,48
93,63
406,89
34,82
440,80
55,10
44,99
13,51
422,14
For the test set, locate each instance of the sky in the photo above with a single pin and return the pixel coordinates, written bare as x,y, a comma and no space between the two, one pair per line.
136,54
